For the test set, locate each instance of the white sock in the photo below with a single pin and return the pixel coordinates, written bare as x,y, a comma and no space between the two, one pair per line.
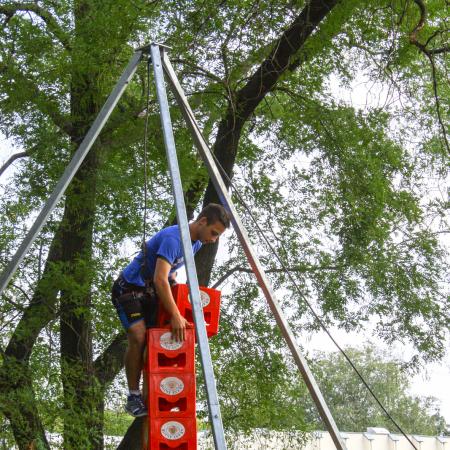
135,392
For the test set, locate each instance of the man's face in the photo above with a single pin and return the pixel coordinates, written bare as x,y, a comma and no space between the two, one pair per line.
208,234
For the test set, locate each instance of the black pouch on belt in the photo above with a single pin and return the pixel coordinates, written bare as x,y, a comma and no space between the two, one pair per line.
140,305
132,306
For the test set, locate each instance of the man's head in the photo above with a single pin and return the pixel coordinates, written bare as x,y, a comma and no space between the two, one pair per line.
211,223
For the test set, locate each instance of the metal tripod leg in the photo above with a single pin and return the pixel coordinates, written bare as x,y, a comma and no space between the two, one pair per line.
202,339
252,257
71,169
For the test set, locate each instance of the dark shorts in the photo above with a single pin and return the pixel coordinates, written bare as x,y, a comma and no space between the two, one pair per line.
134,303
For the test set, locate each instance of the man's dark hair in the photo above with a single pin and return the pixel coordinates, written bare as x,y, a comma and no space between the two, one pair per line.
215,213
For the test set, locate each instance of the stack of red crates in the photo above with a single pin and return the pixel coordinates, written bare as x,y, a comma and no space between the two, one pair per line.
171,400
170,375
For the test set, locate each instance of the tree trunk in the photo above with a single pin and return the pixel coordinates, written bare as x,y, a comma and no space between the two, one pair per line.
82,398
247,100
19,405
133,437
80,394
16,391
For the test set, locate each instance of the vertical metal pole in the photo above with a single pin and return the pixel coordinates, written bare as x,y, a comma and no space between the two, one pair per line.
252,257
71,169
213,401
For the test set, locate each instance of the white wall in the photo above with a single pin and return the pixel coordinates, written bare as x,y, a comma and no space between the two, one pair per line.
320,440
379,441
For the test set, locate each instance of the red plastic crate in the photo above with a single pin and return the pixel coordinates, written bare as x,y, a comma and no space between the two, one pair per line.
168,356
210,299
178,433
188,443
171,395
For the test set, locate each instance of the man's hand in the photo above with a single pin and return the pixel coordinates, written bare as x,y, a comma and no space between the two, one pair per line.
178,324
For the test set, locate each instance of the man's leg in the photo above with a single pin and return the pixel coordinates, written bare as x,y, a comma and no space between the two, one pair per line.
134,354
133,368
129,309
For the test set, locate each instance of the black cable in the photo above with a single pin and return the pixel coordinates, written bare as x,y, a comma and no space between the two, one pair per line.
297,288
317,317
144,219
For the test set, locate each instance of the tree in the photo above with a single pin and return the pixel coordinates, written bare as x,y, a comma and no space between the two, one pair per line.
355,409
341,188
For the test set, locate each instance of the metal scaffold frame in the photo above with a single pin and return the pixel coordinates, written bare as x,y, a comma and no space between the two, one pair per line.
161,65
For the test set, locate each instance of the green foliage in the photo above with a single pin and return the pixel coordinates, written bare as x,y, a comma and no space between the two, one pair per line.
342,190
254,382
116,423
352,406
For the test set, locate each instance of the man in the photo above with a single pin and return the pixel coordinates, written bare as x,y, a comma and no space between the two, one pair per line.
144,285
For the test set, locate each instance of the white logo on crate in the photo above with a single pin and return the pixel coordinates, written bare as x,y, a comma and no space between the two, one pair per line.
173,430
168,343
171,385
204,299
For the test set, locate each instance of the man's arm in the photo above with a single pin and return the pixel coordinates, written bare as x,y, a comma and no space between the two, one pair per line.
161,281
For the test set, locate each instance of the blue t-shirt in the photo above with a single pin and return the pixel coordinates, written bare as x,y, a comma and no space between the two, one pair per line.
165,244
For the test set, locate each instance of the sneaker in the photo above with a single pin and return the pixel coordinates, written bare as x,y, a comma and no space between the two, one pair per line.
135,406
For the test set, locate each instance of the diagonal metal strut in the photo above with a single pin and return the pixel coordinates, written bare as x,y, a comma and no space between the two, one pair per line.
255,264
71,169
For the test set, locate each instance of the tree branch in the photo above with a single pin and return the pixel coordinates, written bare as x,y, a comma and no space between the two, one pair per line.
109,363
436,99
413,35
278,61
429,53
243,104
200,70
9,10
299,269
420,24
45,103
11,159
